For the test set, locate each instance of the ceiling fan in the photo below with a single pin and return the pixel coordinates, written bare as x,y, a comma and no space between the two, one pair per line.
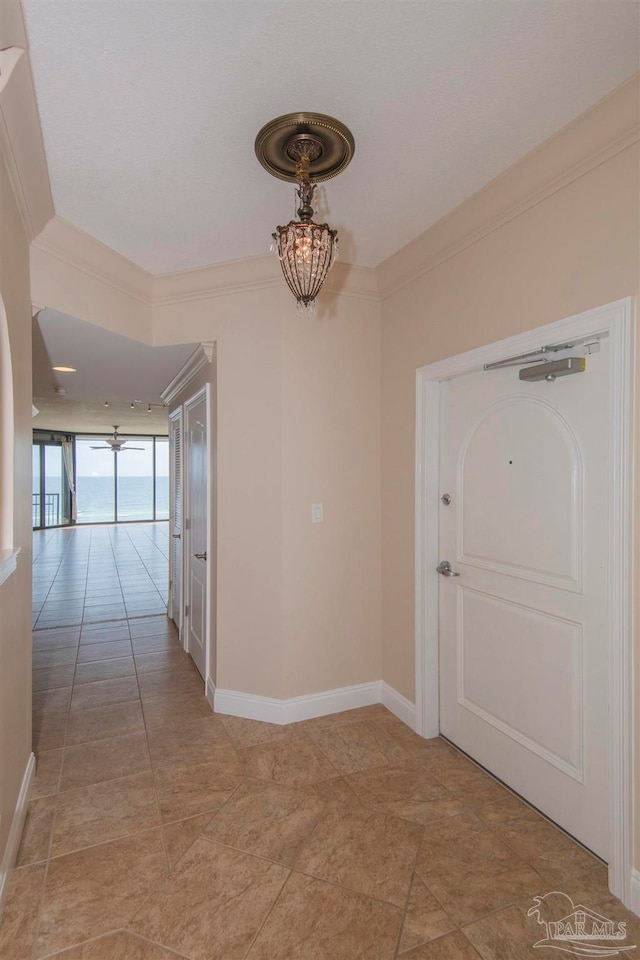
116,443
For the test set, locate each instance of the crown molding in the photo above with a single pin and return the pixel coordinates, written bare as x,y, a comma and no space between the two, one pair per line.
201,356
253,273
21,142
72,246
598,135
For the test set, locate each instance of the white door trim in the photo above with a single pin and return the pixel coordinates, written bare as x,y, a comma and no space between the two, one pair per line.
617,321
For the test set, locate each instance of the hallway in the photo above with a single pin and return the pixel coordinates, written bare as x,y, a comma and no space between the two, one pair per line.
157,830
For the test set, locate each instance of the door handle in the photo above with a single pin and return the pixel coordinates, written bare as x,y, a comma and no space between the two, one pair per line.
176,536
444,568
201,556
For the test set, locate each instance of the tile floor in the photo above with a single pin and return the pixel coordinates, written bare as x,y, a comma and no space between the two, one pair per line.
158,830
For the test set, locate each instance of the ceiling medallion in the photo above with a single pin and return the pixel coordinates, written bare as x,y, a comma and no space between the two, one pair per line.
305,148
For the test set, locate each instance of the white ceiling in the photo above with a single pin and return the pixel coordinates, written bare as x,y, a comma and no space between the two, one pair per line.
108,367
150,109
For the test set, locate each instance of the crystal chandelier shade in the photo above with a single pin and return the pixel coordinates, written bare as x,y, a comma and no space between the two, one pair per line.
305,149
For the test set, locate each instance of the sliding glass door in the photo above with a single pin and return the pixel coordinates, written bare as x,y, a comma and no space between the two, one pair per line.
50,494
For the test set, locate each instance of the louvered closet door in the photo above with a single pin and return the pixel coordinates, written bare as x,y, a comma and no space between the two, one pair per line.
175,517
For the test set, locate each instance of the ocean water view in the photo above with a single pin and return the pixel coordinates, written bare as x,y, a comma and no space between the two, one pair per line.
95,499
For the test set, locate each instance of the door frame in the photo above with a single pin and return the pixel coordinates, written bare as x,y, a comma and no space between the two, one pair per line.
616,320
205,392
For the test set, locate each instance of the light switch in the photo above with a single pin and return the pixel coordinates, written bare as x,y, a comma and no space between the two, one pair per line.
317,513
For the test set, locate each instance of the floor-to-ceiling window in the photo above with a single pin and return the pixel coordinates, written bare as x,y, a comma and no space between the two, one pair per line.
126,486
162,478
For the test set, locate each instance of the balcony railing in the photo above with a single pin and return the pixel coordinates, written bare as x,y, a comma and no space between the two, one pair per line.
51,517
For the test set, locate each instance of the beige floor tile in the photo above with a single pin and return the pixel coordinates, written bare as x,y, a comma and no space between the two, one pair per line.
424,919
100,760
187,789
179,835
212,907
467,898
295,762
549,850
451,768
454,946
152,644
101,692
477,792
54,658
267,819
591,888
180,707
507,810
98,723
248,733
152,626
97,890
99,633
104,670
411,741
364,850
49,678
613,909
36,835
160,660
333,791
55,639
49,731
405,790
315,920
46,781
357,746
119,946
459,846
508,935
190,741
47,702
109,650
22,908
103,812
168,683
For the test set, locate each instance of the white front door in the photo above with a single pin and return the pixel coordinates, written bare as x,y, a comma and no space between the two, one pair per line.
196,460
524,627
175,518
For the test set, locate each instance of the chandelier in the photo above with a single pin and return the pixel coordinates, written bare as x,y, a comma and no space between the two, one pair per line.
305,148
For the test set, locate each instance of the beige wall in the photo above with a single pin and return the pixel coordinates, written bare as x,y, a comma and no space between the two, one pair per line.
298,407
331,455
15,593
576,250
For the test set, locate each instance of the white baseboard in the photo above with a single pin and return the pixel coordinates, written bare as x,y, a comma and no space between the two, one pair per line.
398,704
635,893
15,832
272,710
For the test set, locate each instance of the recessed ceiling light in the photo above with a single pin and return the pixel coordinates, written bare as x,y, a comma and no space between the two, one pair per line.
64,369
